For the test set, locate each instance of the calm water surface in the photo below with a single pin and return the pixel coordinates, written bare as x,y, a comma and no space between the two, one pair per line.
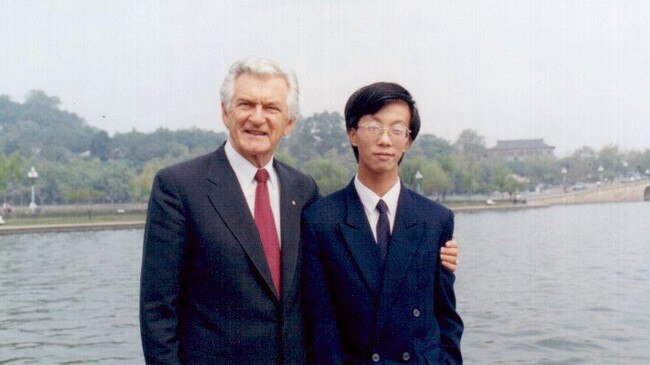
560,285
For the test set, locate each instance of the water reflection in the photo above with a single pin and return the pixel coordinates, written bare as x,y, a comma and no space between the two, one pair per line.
562,285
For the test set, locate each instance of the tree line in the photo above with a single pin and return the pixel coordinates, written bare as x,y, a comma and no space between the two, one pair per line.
78,163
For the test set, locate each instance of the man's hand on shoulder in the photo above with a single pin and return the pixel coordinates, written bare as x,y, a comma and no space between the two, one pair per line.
449,255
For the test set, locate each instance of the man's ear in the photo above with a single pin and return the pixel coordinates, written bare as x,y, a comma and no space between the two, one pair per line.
291,124
352,136
224,115
408,144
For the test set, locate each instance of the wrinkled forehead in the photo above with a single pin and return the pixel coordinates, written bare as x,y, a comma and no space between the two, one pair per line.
261,86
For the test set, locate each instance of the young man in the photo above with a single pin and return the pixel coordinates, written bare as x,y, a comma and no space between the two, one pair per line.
374,290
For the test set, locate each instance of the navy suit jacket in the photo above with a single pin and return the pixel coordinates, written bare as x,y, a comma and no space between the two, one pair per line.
360,309
207,296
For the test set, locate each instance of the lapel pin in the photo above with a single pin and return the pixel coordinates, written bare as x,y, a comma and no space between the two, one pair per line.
293,202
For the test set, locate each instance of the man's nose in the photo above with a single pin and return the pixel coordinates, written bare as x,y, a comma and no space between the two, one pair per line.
384,137
257,115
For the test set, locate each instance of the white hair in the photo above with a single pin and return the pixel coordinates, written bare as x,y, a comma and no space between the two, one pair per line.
261,67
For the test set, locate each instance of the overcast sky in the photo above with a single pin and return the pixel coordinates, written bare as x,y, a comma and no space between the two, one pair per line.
572,72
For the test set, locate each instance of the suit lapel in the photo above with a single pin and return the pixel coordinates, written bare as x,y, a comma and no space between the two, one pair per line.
229,202
359,239
290,213
404,243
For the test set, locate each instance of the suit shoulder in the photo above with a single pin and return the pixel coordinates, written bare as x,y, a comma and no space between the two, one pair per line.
329,207
429,206
299,182
293,172
199,163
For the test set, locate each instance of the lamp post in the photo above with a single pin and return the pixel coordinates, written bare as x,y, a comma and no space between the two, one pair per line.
564,178
32,175
418,179
600,171
625,169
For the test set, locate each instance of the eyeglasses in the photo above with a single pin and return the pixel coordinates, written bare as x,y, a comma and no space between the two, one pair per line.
375,130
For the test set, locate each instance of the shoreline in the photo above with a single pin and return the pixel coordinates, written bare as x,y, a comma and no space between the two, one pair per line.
108,225
69,227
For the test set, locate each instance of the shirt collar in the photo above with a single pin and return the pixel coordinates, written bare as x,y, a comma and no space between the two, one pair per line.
369,198
244,169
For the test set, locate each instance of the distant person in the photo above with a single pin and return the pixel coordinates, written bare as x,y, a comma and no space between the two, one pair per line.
220,280
6,208
374,290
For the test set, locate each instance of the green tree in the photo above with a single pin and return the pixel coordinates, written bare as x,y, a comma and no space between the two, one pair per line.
471,144
315,136
329,175
540,170
141,183
611,159
434,181
285,157
581,165
11,170
430,146
640,161
100,145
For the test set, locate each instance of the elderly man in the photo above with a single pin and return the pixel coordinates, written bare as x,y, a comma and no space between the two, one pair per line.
221,261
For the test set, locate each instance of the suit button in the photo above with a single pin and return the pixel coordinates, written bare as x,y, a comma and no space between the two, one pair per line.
406,356
416,312
375,357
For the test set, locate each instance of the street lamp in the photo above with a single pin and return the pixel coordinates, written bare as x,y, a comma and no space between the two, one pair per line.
418,179
600,171
32,175
625,169
564,178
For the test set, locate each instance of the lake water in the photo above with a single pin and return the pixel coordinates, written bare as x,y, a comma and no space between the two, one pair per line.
559,285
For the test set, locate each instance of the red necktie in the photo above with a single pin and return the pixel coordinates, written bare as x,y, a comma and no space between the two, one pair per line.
266,227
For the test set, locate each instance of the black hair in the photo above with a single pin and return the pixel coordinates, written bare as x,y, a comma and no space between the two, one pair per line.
372,98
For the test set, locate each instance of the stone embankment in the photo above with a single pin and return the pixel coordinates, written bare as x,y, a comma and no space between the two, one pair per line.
72,227
616,192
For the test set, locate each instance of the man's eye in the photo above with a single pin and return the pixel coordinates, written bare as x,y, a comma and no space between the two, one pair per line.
372,128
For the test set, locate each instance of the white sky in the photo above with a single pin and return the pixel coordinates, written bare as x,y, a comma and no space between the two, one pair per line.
572,72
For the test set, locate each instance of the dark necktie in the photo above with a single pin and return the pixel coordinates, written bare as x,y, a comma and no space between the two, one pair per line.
266,227
383,228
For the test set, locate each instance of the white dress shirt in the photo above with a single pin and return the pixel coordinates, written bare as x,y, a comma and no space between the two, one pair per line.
245,172
369,200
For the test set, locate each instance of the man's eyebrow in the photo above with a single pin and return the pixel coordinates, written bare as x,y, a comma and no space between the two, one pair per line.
393,122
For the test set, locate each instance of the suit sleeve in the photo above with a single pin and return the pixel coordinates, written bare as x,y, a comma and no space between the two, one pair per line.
322,335
450,323
161,276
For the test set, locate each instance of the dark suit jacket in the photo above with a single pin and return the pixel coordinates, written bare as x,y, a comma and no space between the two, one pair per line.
360,311
206,295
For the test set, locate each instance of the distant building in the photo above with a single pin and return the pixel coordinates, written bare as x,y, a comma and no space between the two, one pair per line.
521,149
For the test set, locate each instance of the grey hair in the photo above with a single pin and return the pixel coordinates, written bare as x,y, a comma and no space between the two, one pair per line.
261,67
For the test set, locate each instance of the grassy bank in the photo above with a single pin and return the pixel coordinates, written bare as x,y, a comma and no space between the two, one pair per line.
103,216
41,220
